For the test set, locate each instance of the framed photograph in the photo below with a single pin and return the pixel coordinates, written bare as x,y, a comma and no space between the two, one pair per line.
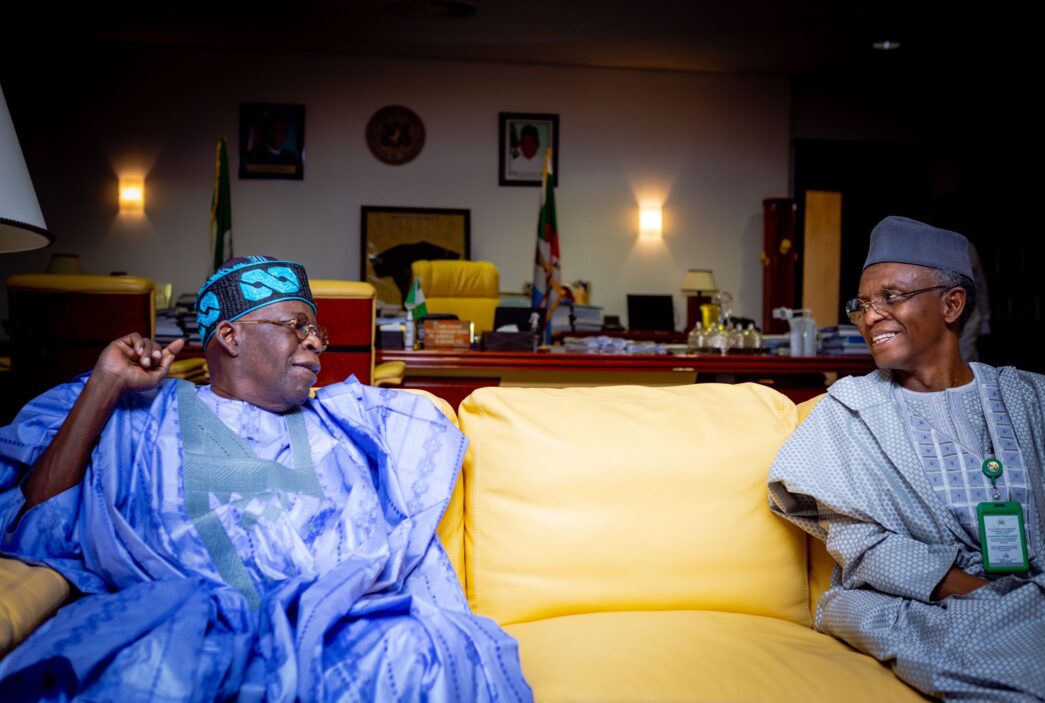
271,141
524,139
393,238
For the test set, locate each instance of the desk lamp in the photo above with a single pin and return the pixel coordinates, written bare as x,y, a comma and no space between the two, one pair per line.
699,288
22,226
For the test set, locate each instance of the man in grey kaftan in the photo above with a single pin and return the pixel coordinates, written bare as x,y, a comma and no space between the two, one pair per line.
888,474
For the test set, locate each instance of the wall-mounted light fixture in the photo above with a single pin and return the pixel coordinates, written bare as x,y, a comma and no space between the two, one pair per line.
651,222
132,195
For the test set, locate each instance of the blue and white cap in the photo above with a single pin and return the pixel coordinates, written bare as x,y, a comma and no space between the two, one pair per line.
246,283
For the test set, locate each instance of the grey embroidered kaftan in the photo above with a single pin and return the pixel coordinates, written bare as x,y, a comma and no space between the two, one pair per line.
850,476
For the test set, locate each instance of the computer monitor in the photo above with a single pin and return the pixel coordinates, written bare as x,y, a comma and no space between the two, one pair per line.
519,316
651,313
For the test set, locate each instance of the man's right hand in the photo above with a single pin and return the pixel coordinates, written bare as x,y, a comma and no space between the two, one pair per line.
128,365
134,363
957,583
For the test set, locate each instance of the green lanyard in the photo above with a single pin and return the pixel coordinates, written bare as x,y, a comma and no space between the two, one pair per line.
1003,537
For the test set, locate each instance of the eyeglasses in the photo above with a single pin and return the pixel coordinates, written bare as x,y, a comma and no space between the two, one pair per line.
857,307
300,326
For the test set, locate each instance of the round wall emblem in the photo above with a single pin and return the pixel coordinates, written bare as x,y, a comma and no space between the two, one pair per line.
395,135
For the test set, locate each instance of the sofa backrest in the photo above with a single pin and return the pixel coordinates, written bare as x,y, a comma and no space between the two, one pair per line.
627,498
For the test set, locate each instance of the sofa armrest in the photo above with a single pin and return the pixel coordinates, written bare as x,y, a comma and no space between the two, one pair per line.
28,596
821,564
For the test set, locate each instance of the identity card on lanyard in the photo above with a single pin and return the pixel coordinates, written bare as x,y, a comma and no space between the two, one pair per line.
1002,537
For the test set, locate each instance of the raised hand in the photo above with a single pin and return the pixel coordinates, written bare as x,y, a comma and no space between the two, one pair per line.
129,364
134,363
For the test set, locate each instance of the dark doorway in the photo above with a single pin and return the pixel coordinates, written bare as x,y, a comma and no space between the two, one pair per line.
974,186
875,180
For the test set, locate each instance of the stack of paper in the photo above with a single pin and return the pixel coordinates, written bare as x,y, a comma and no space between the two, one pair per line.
586,318
610,345
842,339
185,311
167,327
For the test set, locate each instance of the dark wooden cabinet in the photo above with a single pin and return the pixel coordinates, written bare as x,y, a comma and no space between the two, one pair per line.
779,261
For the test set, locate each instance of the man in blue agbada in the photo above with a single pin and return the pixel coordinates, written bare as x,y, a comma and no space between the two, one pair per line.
242,540
926,480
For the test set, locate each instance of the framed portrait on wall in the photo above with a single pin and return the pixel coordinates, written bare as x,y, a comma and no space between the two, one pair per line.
271,141
524,139
393,238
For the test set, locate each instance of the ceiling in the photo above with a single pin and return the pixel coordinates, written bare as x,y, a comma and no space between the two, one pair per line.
806,37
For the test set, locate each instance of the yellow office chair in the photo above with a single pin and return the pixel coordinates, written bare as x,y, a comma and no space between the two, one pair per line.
348,309
468,289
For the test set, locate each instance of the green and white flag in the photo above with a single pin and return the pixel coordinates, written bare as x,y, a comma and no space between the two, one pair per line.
415,300
221,208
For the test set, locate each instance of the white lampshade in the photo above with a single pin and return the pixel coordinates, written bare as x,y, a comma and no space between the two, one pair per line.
22,224
699,280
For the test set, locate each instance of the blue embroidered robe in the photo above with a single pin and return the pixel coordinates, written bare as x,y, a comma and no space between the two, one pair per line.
849,475
327,584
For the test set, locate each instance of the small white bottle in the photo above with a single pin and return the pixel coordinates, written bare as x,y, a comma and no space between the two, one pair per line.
408,330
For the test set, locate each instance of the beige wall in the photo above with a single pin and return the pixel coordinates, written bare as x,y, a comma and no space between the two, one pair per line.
711,147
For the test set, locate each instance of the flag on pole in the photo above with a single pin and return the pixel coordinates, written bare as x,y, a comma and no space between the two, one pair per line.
547,276
415,300
221,208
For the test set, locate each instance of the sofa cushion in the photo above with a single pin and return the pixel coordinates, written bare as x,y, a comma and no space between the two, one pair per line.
28,595
691,656
628,498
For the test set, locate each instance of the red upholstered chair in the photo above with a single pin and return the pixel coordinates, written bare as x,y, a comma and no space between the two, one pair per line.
347,309
59,323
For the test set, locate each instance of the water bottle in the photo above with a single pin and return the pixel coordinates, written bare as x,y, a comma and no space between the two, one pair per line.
803,333
408,331
809,337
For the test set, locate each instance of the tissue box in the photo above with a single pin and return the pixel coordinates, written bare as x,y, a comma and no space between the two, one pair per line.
390,338
510,341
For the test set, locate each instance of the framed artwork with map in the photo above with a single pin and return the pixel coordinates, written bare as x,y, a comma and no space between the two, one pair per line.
392,238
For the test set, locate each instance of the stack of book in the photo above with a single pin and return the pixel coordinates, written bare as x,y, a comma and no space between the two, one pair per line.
586,318
842,339
185,311
167,327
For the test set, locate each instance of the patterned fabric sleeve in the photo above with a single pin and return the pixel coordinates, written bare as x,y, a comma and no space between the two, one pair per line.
57,532
872,556
47,529
816,483
416,454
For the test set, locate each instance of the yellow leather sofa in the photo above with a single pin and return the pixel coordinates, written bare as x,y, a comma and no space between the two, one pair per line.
623,536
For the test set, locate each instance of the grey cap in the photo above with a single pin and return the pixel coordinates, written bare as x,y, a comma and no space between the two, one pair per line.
904,241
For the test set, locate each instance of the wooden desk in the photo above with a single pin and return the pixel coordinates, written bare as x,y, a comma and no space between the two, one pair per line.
453,375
